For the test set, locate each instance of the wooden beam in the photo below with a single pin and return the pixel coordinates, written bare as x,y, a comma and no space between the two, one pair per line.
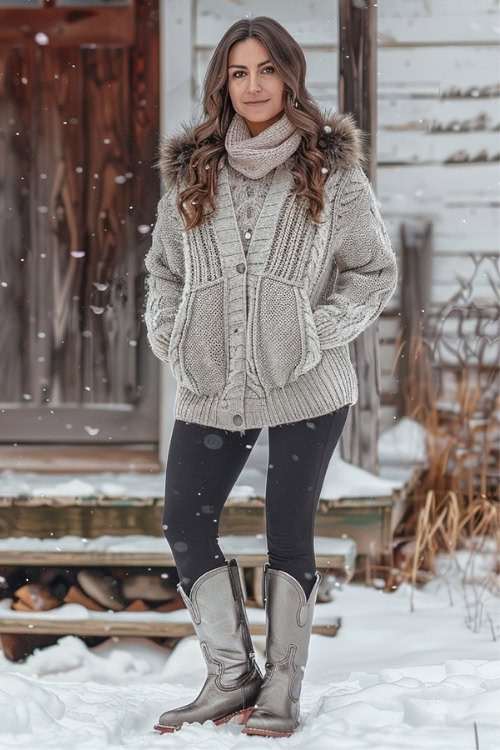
357,82
137,559
58,458
110,627
357,95
69,26
416,244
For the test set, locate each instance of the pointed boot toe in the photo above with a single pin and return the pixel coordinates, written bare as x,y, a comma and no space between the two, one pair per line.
213,704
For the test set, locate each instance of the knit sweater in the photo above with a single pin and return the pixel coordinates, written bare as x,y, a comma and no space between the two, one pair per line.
248,196
261,337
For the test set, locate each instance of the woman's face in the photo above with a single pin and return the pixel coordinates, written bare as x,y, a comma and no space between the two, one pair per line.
251,79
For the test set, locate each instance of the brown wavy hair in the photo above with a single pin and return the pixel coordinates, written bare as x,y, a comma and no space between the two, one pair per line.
288,58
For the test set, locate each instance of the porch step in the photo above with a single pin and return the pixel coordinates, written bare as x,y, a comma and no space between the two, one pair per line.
149,551
75,619
146,551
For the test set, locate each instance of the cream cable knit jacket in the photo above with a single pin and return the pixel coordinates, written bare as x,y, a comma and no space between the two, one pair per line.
256,331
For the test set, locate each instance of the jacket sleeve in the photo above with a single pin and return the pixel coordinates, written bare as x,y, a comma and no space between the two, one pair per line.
164,282
367,271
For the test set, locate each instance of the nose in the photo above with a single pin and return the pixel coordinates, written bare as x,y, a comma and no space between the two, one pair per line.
254,85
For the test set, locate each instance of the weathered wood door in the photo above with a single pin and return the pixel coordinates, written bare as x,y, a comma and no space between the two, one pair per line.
79,103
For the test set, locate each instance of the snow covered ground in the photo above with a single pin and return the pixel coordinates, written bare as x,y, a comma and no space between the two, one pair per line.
391,679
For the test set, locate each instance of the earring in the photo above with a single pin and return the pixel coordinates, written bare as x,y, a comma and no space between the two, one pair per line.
296,103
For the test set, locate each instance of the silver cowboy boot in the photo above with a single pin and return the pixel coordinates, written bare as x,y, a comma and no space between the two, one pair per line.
217,608
288,632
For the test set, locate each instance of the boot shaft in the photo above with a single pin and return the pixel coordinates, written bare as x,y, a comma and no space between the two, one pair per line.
215,603
289,615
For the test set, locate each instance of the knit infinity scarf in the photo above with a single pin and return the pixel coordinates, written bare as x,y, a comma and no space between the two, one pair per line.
255,157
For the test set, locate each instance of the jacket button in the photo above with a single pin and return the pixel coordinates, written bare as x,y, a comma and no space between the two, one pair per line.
241,268
238,419
248,234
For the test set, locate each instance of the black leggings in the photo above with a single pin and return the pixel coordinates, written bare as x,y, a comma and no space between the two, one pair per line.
202,468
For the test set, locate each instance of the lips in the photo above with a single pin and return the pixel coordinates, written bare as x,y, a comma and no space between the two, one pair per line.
262,102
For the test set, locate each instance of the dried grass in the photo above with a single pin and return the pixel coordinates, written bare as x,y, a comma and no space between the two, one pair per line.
455,505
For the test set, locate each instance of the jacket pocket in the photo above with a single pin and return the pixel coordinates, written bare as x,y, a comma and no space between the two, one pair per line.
284,339
198,352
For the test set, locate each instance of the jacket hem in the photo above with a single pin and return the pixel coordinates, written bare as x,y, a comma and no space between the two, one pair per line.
327,387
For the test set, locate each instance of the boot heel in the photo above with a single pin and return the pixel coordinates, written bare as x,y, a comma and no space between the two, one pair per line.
239,717
163,730
243,716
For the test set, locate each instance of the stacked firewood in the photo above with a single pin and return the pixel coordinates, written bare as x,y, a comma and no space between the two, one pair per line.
98,590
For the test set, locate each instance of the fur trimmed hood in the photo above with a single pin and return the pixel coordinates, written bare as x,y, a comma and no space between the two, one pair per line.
341,141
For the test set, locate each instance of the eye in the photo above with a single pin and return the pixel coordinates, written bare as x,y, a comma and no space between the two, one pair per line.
235,75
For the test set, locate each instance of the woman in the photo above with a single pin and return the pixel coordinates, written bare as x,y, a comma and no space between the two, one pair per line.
268,257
